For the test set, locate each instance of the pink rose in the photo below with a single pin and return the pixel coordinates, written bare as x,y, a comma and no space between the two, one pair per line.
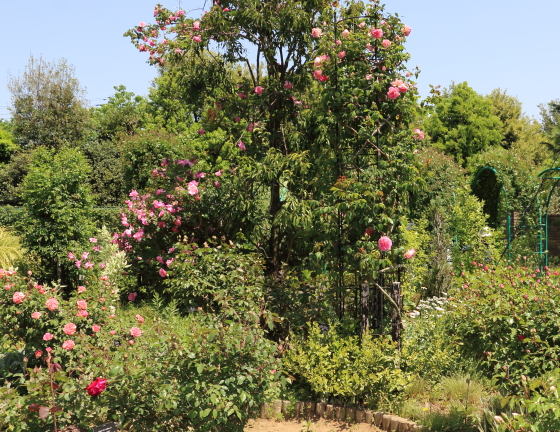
376,33
132,296
81,289
288,85
197,38
241,95
406,30
196,25
241,146
386,43
78,263
85,255
90,265
18,297
96,387
384,243
218,173
113,332
162,272
69,344
51,304
418,134
409,253
140,318
36,315
142,24
135,332
69,329
82,313
258,90
318,74
93,240
47,337
345,33
95,328
338,42
341,54
201,131
316,32
82,304
192,187
393,93
71,256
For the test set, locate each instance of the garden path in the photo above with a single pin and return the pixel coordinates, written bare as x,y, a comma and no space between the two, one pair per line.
261,425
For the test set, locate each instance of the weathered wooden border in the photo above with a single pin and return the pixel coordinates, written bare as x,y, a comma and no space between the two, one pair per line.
383,421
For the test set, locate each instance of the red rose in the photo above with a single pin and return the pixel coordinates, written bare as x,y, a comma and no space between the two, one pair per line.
96,387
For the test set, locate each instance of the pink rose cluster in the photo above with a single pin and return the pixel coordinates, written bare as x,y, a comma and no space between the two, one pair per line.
397,87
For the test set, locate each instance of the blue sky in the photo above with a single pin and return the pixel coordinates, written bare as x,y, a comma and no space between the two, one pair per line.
511,44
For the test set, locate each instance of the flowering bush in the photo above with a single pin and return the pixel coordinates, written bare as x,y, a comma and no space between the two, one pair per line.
506,317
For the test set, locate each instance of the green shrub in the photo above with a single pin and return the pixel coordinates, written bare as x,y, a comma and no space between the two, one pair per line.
345,368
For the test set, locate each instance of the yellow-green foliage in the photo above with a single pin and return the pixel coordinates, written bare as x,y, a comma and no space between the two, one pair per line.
345,367
10,248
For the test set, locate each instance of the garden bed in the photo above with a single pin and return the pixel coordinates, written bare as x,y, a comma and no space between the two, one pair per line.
263,425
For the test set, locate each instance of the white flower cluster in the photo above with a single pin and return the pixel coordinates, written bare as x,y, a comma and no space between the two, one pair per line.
431,305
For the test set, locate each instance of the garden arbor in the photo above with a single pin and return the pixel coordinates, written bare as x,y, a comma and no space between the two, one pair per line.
489,188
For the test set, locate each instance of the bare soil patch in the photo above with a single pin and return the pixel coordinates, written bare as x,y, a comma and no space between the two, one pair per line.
262,425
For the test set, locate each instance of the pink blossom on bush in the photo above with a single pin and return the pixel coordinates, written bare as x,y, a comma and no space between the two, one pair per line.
68,344
51,304
81,289
241,146
93,240
18,297
197,38
162,272
393,93
288,85
89,265
82,313
71,256
376,33
406,30
418,134
386,43
82,304
338,42
409,253
135,332
140,318
345,33
193,187
47,337
316,32
95,328
69,329
341,54
196,25
132,296
36,315
78,263
242,95
384,243
113,332
318,74
258,90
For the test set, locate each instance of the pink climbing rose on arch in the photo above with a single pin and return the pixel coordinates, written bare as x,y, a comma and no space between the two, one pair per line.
316,32
384,243
393,93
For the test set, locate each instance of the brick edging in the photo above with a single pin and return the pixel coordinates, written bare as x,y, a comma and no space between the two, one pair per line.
384,421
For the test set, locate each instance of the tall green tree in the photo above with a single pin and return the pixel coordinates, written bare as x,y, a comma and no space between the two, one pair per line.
462,122
48,105
520,133
550,120
57,205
